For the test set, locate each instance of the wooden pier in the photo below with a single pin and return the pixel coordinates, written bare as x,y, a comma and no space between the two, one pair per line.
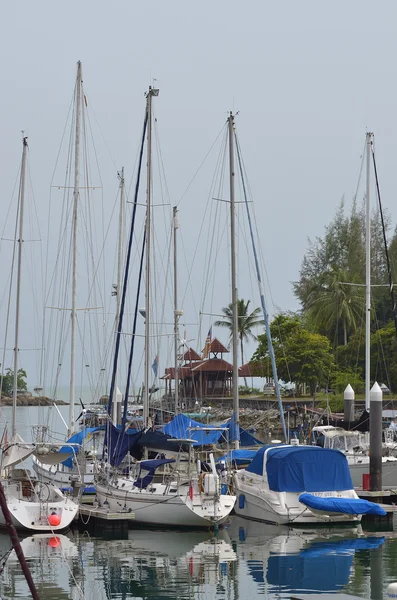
100,521
385,498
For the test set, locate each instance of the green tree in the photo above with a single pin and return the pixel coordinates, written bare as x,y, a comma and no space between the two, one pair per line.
8,381
334,303
301,356
245,324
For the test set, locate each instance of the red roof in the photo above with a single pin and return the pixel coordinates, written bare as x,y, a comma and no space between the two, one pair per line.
191,355
183,372
213,365
216,346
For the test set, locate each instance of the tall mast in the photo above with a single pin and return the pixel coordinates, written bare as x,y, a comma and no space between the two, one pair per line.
74,246
236,410
152,92
369,137
18,298
177,312
115,405
120,246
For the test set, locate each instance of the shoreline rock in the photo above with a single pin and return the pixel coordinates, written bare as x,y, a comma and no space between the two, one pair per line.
27,399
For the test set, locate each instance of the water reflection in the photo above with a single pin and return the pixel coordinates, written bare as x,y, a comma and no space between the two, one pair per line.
48,557
282,559
245,560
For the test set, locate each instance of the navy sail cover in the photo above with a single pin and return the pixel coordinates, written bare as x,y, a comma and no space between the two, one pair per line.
303,469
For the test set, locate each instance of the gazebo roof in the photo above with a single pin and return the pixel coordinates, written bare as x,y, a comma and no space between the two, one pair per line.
191,355
183,372
216,347
213,365
253,369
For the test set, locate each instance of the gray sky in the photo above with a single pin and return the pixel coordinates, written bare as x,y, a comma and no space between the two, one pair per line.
308,79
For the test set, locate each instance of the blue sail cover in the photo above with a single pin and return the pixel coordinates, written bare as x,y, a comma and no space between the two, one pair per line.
77,438
180,427
303,469
349,506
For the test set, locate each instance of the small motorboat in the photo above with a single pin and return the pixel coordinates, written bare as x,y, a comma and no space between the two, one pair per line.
299,484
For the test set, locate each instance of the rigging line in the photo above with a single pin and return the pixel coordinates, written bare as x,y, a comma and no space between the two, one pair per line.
11,281
126,270
201,164
360,171
265,314
207,209
10,203
99,128
38,319
131,353
391,289
216,222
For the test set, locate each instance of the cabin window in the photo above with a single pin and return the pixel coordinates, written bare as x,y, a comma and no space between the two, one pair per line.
241,501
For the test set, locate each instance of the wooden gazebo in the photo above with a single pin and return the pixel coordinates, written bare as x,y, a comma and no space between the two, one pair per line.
202,377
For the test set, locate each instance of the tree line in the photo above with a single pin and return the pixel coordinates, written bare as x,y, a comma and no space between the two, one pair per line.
323,344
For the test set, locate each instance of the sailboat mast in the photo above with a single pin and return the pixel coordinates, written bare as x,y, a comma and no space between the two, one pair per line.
116,405
120,246
74,247
152,92
236,410
18,297
176,311
369,137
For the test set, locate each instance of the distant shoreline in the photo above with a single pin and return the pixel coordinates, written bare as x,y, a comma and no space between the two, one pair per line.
29,400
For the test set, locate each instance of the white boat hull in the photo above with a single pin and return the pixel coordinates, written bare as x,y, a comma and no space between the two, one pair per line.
167,509
33,515
60,475
389,472
282,508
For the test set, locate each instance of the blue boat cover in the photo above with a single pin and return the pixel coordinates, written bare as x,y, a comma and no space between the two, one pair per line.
77,438
238,457
204,435
147,469
119,442
349,506
303,469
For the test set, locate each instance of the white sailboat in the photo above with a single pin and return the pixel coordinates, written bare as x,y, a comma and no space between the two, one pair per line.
80,466
33,505
163,491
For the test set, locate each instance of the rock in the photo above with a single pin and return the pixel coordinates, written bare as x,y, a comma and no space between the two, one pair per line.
27,399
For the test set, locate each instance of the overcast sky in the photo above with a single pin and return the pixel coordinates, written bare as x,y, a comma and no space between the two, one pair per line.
308,79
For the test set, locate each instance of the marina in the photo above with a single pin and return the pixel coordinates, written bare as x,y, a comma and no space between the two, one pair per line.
198,362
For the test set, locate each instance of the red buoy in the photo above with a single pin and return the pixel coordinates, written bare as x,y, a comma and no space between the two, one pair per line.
54,542
54,519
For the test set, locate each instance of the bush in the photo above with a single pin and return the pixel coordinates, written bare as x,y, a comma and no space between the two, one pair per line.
245,390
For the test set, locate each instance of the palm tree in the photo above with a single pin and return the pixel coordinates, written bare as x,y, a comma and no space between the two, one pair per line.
335,300
245,323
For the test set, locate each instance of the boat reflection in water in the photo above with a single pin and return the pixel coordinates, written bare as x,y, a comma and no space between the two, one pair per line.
175,562
49,558
282,559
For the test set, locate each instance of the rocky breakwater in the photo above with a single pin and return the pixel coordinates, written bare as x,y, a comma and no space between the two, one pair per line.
264,424
27,399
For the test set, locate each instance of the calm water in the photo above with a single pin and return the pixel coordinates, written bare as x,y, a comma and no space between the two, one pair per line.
246,560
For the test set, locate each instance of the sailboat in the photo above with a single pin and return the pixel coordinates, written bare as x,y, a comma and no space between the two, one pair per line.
79,466
170,489
33,505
